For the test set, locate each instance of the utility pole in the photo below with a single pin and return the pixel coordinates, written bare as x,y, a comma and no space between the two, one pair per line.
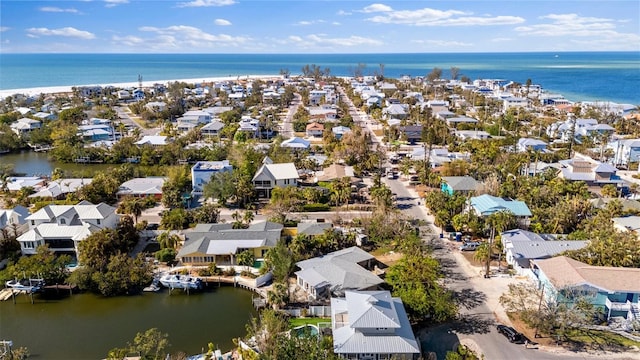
488,270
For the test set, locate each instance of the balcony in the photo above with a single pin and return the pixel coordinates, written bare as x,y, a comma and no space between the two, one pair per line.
618,306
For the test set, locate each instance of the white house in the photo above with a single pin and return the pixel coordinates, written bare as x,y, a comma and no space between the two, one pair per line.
25,126
195,117
13,221
625,151
370,325
270,176
142,187
153,140
62,227
527,144
202,172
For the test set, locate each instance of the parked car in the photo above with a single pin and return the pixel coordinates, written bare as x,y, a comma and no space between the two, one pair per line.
470,246
511,334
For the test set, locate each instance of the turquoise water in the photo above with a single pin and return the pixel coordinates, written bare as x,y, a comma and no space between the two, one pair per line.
602,76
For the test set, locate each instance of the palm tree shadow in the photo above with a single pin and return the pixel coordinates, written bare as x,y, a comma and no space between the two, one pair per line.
469,298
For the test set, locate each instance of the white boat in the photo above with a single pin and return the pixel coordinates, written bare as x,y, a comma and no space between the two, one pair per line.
29,285
174,281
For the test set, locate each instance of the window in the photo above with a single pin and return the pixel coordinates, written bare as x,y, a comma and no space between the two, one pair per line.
29,245
63,221
33,222
98,221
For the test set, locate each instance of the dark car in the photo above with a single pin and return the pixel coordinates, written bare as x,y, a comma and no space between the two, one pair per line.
153,226
511,334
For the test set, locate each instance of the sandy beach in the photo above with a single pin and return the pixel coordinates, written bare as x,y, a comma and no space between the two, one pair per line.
67,88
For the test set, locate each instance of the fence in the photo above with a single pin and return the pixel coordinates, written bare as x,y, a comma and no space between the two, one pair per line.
314,311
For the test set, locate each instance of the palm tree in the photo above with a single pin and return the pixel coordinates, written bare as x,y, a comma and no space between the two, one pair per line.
166,240
341,191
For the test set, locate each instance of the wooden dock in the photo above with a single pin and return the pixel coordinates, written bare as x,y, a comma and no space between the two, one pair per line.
6,294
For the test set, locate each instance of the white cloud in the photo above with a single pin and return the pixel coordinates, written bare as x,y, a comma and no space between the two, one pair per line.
343,13
501,39
192,37
309,22
568,24
377,8
222,22
434,17
4,28
442,43
322,41
58,10
206,3
128,40
336,23
66,31
114,3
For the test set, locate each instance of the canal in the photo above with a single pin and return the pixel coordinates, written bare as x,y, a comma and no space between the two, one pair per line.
86,326
31,163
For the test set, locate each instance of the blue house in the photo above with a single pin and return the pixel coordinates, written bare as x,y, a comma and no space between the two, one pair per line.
616,290
202,172
485,205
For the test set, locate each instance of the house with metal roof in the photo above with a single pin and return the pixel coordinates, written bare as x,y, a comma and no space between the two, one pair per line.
521,247
333,273
142,187
583,168
220,243
62,227
616,290
202,172
13,222
627,224
153,140
372,325
458,184
270,176
528,144
296,143
485,205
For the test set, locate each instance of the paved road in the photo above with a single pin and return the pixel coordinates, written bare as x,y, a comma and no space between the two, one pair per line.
124,117
287,125
476,323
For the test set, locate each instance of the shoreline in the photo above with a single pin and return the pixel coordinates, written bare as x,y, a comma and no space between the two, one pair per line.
145,84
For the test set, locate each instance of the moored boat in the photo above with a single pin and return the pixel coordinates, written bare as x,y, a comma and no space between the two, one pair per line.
174,281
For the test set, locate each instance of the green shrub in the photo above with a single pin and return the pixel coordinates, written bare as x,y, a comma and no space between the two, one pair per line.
229,272
166,255
315,207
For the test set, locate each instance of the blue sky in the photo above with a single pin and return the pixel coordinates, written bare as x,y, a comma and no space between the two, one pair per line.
309,26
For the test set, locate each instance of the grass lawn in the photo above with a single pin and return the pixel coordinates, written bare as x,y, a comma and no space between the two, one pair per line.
295,322
597,340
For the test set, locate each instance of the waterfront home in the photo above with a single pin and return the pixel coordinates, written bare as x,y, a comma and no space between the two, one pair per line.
458,184
485,205
527,144
594,173
627,224
93,133
220,243
142,187
270,176
58,189
17,183
202,172
24,126
625,151
153,140
333,273
212,129
13,222
616,290
521,247
62,227
315,129
370,325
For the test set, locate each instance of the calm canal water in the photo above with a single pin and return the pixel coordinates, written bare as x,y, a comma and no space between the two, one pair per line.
31,163
85,326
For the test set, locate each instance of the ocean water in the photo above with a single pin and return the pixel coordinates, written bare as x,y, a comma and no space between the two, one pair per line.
579,76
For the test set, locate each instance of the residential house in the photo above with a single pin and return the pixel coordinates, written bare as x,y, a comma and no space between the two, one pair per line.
584,168
312,228
339,131
472,134
616,290
296,143
156,106
142,187
17,183
324,113
335,172
58,189
514,102
527,144
221,243
13,222
45,116
368,325
453,122
270,176
411,133
627,224
216,111
212,129
249,126
521,247
62,227
202,172
195,117
336,272
395,111
485,205
315,129
625,151
24,126
153,140
458,184
374,100
628,205
93,133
